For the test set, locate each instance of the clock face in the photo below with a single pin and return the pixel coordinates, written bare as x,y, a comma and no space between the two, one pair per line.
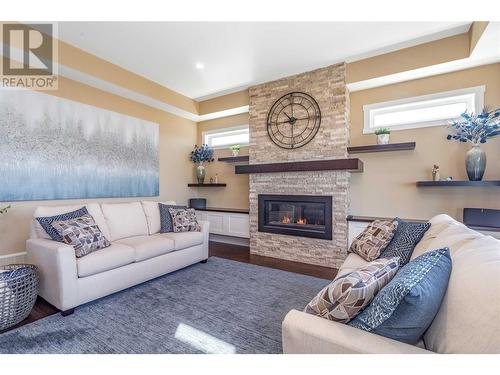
293,120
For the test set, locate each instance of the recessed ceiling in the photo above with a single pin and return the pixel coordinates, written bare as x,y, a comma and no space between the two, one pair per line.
201,59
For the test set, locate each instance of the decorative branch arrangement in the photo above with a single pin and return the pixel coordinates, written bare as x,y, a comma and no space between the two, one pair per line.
475,128
202,154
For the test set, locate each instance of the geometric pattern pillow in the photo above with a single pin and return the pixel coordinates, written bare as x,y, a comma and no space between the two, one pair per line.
184,220
406,307
46,222
347,295
165,217
404,241
82,233
370,243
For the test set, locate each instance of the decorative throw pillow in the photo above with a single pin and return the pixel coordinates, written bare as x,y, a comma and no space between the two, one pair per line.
184,220
404,241
166,218
82,233
405,308
347,295
370,243
46,222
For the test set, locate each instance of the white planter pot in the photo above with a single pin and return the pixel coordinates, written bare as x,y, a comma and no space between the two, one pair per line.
235,152
383,139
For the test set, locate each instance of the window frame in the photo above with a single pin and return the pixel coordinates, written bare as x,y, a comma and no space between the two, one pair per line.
224,130
475,102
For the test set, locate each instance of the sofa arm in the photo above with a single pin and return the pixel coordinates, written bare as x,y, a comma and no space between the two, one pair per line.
205,229
308,334
57,270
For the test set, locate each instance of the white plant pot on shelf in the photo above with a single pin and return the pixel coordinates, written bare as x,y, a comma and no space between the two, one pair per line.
235,152
383,139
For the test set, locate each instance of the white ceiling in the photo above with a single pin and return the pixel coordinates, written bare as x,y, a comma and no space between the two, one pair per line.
237,55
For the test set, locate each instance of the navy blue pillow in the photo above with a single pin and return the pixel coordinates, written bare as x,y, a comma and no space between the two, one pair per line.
405,239
165,218
46,222
407,305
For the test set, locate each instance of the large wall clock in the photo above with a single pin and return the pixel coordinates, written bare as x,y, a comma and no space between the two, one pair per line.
293,120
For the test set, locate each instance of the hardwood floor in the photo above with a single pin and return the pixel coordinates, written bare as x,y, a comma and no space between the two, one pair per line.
242,254
43,309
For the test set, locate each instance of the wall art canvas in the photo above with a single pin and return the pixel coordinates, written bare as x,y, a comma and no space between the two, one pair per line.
54,148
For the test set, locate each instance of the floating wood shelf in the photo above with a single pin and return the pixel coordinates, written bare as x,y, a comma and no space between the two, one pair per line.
350,165
235,159
490,183
206,185
382,148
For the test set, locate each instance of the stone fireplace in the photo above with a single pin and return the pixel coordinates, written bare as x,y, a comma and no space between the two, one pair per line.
327,86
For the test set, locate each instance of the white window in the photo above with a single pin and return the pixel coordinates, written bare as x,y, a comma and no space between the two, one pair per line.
222,138
422,111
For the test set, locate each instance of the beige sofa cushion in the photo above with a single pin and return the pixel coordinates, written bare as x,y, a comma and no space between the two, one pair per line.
112,257
352,262
147,247
183,240
125,220
469,318
152,212
93,209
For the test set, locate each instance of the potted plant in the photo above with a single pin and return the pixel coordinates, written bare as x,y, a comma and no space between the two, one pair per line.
383,135
235,149
475,129
199,156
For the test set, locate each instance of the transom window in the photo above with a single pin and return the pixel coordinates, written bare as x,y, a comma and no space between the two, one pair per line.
222,138
422,111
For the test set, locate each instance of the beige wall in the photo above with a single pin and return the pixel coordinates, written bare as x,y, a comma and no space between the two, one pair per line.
177,137
387,185
235,194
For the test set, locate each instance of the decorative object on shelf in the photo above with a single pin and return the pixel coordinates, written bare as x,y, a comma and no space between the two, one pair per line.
235,149
293,120
216,179
211,180
383,136
449,178
4,210
436,175
199,156
18,292
475,129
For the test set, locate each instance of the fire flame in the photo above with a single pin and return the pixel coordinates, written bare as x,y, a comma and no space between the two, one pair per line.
285,220
302,221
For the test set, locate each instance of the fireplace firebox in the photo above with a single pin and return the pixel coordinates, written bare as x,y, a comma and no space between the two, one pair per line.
296,215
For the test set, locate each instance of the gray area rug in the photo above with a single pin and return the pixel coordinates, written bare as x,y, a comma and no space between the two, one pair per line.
222,306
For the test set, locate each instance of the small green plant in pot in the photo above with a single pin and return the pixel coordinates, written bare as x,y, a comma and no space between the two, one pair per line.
200,155
235,149
383,135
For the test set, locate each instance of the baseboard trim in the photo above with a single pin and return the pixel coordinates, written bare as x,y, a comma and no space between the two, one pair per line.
230,240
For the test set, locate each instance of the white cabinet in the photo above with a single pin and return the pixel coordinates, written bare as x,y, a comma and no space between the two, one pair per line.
226,223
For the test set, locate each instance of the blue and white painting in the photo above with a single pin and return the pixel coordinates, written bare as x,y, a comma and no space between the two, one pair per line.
54,148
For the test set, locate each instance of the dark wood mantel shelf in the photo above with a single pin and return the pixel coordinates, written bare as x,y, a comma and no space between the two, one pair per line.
349,165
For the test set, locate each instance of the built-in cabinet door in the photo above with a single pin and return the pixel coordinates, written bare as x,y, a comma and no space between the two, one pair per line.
225,223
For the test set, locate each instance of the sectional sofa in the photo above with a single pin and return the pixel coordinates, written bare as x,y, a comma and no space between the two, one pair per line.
138,253
467,322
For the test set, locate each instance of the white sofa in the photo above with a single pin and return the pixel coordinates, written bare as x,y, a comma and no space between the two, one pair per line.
467,322
138,253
